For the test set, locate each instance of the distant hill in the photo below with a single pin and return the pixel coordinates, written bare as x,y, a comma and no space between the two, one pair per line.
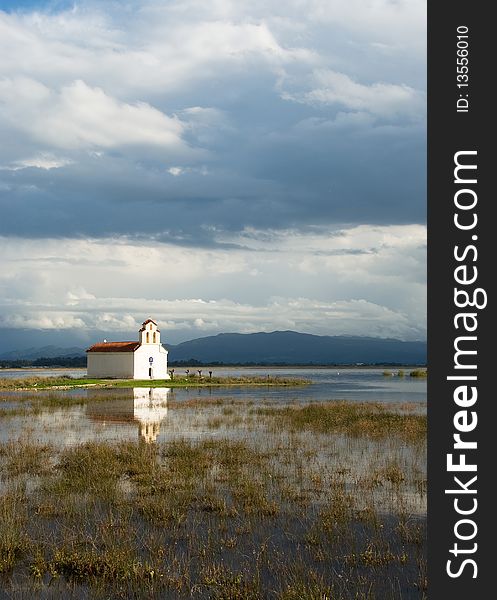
32,354
290,347
278,347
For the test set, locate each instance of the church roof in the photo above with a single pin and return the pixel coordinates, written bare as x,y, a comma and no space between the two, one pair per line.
114,347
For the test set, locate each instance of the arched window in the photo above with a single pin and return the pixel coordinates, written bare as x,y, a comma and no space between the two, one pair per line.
154,337
148,337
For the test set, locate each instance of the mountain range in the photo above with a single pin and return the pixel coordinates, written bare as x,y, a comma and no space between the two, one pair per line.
278,347
42,352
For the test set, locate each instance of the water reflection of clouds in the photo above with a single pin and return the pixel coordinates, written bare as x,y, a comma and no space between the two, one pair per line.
145,406
118,414
59,426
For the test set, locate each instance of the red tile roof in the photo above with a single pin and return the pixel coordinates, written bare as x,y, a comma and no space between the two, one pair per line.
114,347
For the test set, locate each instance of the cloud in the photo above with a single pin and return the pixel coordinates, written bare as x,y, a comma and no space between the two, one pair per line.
380,99
332,171
183,110
316,281
175,171
41,320
397,27
187,318
79,116
42,161
229,165
153,50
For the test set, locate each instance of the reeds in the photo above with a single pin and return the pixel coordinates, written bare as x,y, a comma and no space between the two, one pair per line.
313,502
352,418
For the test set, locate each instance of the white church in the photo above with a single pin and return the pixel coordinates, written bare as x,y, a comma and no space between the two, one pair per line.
144,359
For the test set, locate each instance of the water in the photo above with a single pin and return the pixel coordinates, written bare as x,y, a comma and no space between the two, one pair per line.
154,414
355,384
40,372
303,472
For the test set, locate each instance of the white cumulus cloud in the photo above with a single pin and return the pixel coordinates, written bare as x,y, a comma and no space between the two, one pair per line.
362,280
381,99
81,116
43,161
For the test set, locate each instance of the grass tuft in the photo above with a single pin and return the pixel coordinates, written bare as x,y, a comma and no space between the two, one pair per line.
356,419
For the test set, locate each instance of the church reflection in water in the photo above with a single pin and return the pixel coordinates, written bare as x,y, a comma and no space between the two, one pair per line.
147,407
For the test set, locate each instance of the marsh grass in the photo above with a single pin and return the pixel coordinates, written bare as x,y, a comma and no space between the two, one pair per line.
24,458
44,382
419,373
195,380
308,502
352,418
14,542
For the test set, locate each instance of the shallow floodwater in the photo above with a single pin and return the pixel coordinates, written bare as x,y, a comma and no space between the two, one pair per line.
357,384
149,413
163,415
348,508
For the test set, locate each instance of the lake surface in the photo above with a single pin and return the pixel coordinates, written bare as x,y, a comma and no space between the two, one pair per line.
356,384
156,414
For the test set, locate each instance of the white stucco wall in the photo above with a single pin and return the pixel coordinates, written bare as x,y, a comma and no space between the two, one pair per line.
110,364
142,363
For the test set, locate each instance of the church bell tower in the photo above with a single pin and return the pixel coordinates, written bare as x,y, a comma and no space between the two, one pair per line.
149,333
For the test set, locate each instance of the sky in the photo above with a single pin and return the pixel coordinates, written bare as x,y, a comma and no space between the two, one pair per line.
217,165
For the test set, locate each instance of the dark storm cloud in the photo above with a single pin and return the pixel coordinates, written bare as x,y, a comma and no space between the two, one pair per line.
256,131
274,180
